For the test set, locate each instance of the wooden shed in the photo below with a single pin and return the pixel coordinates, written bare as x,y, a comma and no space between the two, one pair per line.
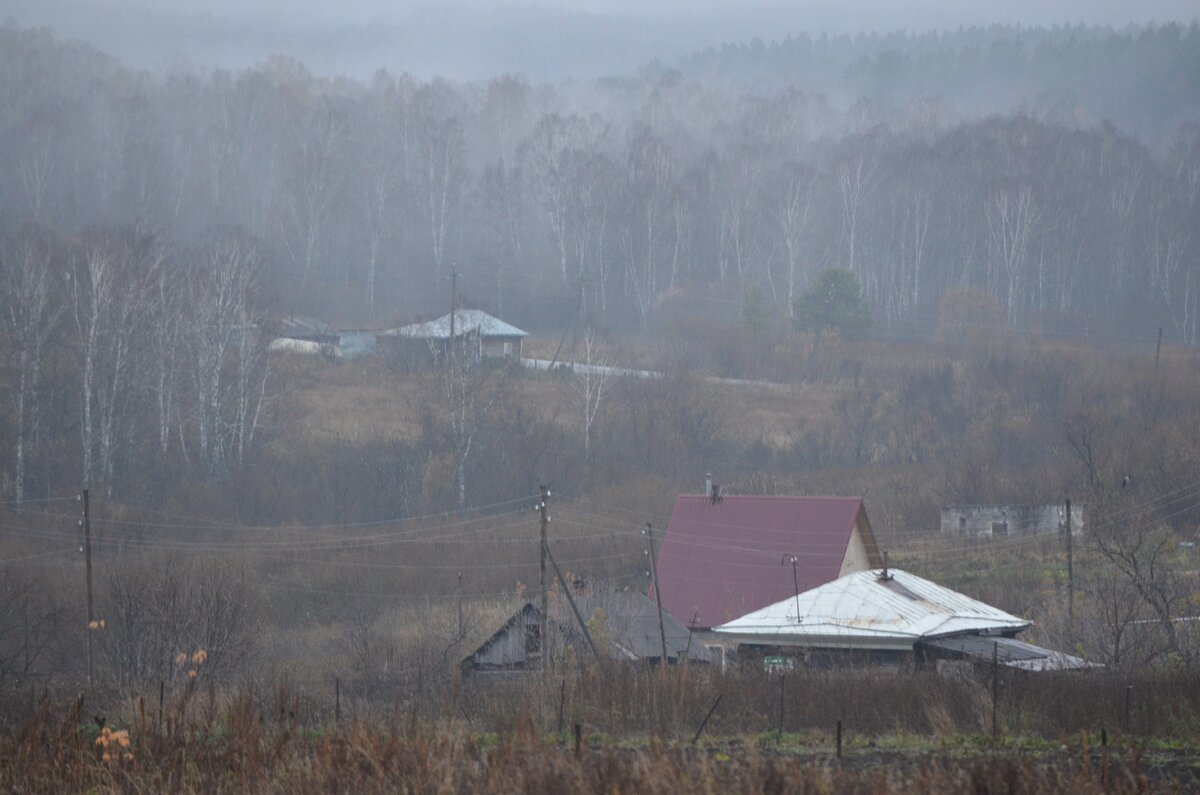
624,626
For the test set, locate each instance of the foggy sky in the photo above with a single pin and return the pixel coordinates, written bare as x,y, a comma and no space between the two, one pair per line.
473,39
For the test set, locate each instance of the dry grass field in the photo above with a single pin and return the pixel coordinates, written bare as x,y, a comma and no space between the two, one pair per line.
198,740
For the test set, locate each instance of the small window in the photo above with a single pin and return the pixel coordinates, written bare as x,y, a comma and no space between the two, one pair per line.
1000,528
533,639
962,523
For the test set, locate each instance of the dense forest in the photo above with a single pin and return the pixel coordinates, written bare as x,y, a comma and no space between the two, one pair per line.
1144,80
646,193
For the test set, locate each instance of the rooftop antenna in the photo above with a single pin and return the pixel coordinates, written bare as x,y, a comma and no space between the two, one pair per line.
691,630
795,581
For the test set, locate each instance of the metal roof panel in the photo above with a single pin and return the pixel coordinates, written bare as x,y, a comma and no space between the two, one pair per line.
721,559
865,603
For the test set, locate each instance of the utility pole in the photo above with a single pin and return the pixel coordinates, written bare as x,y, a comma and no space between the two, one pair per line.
87,559
453,308
544,494
575,332
1070,571
1158,348
571,601
795,581
662,635
462,627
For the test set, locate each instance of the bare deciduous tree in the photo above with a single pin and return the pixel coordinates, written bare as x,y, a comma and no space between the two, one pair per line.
791,214
30,315
110,286
440,150
588,380
856,178
154,612
227,358
468,387
32,624
1012,220
312,188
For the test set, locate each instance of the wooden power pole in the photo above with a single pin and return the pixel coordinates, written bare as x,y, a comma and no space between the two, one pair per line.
1070,570
662,635
453,299
87,561
544,495
453,312
587,636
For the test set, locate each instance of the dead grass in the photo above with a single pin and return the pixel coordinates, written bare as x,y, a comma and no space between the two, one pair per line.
263,744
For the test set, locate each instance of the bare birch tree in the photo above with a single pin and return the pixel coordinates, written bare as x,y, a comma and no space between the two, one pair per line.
227,357
312,188
588,381
441,174
469,388
791,214
109,291
856,178
1012,219
30,317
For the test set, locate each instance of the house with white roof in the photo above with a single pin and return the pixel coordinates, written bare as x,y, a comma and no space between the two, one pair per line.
891,617
483,335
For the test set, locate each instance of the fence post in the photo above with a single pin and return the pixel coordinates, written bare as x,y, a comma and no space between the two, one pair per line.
782,684
1128,704
337,699
839,738
562,697
995,686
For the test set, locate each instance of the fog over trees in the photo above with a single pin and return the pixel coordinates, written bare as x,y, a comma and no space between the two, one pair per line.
677,185
154,223
930,269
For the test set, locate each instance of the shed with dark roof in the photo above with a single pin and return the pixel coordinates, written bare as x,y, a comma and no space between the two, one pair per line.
722,558
624,626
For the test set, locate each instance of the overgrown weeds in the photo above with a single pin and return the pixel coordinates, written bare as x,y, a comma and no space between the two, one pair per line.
260,746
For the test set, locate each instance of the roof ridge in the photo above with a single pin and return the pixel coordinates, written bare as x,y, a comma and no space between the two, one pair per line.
771,497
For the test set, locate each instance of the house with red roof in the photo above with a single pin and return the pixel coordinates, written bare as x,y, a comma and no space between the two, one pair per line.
725,556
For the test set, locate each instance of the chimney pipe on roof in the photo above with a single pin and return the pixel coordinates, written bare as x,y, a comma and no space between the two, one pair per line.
708,485
885,575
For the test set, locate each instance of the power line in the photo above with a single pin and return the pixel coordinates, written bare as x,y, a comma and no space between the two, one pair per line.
36,555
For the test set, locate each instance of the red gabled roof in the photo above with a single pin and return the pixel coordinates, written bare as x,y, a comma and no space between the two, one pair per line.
722,559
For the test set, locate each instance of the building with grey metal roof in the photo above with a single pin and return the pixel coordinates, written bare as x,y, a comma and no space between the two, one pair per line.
889,615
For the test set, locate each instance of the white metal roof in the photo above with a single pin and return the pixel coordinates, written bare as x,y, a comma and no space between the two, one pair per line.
466,321
866,610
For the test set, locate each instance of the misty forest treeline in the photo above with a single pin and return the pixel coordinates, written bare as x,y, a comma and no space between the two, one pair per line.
645,193
1145,80
151,226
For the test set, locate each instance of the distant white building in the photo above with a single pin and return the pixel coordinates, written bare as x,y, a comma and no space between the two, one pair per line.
1009,520
313,336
